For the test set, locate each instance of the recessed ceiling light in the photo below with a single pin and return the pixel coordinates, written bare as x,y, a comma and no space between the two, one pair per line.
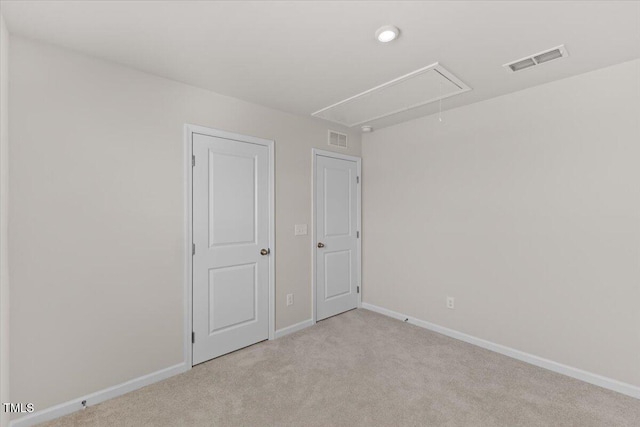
387,33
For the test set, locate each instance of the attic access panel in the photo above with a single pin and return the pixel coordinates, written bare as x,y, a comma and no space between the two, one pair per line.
412,90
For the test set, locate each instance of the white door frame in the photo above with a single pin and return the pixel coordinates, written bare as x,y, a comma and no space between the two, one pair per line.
315,152
189,130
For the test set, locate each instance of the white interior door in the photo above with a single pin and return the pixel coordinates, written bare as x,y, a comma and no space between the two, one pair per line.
337,234
231,245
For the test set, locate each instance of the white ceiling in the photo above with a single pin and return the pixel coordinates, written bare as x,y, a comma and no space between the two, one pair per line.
303,56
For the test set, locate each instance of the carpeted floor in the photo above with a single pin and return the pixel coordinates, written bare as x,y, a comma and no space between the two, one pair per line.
363,369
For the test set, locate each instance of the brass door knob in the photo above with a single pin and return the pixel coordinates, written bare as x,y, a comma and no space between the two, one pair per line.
265,251
320,245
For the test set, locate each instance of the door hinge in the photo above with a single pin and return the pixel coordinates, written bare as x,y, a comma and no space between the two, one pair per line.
193,161
358,288
357,180
193,337
193,249
357,234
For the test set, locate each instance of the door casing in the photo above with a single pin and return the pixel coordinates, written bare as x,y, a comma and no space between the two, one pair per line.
315,152
189,130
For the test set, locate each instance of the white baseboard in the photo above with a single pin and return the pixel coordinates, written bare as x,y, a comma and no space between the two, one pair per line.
136,383
294,328
599,380
99,396
74,405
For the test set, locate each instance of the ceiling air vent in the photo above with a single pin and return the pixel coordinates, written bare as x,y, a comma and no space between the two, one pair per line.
537,59
337,139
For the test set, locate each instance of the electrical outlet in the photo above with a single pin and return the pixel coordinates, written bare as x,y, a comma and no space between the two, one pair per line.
289,299
451,303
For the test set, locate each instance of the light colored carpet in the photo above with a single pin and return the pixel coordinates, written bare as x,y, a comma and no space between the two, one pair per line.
363,369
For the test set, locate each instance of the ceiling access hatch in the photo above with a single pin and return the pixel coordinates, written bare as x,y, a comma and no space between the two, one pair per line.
412,90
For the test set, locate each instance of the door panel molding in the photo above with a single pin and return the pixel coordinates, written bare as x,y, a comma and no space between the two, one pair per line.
315,153
189,131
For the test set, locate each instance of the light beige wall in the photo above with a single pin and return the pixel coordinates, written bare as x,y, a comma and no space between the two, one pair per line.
4,260
97,207
526,209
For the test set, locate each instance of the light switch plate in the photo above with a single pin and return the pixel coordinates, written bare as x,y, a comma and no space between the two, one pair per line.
301,229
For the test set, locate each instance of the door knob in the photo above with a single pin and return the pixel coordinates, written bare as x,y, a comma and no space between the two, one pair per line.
320,245
265,251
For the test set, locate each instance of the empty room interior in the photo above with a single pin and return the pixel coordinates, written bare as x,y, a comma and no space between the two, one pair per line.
320,213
